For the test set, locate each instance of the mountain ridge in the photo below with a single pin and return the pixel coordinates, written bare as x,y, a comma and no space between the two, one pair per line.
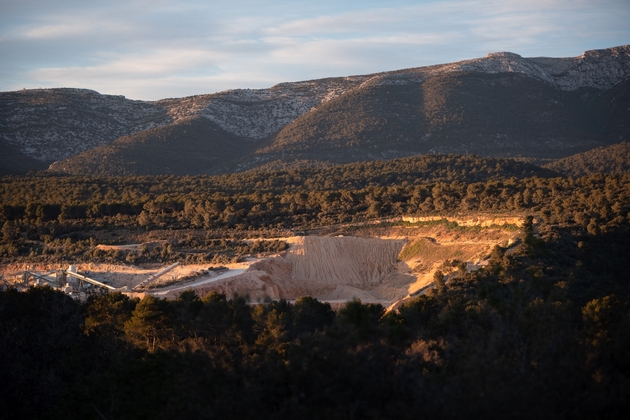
55,124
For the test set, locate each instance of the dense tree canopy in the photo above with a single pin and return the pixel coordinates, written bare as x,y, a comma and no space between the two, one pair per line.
53,217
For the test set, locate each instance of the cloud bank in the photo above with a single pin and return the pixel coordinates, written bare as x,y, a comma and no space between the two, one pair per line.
156,49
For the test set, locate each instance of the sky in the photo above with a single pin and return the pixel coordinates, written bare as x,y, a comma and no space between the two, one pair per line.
154,49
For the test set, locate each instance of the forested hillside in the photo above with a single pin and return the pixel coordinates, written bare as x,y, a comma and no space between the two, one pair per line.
609,159
190,147
487,114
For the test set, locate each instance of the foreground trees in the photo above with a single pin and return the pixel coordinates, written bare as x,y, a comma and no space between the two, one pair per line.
538,333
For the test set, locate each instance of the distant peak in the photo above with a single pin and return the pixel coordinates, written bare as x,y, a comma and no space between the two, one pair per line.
613,51
505,54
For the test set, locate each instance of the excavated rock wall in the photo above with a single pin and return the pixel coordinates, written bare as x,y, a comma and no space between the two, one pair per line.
357,262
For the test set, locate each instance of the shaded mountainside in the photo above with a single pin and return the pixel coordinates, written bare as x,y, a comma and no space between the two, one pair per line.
13,162
150,154
488,114
498,105
410,170
613,159
193,146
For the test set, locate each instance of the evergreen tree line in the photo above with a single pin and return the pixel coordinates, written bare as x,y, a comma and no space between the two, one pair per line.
595,203
308,175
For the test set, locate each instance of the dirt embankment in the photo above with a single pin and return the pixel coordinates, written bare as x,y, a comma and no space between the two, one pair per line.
133,248
483,221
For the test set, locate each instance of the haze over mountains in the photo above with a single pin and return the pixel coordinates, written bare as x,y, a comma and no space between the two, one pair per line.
499,105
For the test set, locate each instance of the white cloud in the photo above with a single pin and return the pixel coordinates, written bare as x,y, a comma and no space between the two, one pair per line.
55,31
151,49
160,63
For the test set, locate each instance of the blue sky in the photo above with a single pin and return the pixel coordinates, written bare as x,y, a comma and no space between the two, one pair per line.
153,49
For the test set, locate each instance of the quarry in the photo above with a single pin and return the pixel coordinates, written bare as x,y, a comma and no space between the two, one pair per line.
375,264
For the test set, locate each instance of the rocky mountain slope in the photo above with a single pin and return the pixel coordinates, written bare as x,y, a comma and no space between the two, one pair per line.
53,124
501,104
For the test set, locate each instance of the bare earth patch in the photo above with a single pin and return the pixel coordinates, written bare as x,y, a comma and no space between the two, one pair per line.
383,265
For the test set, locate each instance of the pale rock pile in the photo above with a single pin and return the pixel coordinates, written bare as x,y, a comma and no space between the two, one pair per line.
328,268
251,285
